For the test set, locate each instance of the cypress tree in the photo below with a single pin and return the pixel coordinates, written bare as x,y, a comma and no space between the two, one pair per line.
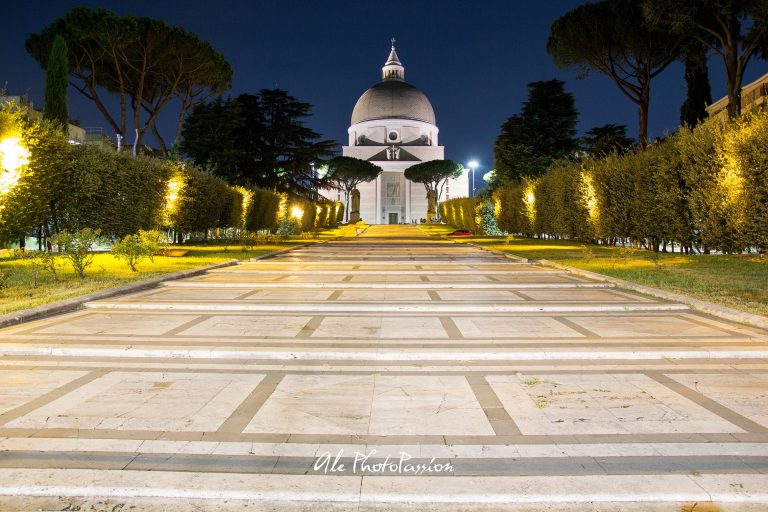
56,82
693,110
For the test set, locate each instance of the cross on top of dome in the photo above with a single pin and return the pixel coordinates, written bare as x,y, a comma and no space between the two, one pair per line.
393,69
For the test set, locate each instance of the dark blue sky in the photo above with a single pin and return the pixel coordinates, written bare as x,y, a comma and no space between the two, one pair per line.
473,59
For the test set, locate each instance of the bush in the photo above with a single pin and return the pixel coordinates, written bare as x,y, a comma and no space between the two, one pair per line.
112,192
26,194
460,212
289,226
134,248
264,210
78,248
703,188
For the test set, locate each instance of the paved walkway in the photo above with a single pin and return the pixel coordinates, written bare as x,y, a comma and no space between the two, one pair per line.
291,380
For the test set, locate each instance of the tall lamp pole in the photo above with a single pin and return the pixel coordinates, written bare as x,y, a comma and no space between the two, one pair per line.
472,165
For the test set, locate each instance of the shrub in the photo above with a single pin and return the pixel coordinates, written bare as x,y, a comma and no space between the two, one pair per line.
134,248
289,226
77,247
112,192
156,242
264,210
26,193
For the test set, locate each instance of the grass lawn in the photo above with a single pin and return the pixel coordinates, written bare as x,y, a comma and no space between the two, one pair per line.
737,281
108,272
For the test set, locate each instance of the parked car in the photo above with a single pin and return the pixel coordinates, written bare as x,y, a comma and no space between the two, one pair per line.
461,232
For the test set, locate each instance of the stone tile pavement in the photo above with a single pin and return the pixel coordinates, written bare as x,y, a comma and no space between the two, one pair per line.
384,372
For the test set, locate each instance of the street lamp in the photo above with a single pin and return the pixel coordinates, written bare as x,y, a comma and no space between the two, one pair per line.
472,165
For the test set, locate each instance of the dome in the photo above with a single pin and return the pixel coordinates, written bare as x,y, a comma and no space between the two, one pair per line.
393,99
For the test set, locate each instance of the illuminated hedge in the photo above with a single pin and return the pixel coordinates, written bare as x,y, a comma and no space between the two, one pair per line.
702,189
45,181
113,192
33,164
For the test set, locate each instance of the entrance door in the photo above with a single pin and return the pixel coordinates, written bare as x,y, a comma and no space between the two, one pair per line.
393,218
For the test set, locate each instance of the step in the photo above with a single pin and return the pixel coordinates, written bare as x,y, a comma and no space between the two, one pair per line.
389,286
331,307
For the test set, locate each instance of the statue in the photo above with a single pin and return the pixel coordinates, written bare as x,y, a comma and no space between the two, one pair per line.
354,213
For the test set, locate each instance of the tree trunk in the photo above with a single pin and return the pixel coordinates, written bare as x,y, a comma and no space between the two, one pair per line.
159,139
643,107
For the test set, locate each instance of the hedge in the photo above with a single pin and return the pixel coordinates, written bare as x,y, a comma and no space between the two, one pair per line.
27,192
74,187
111,191
703,189
460,213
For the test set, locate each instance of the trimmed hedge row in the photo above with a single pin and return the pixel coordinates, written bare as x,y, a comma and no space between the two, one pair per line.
461,213
76,187
705,188
27,191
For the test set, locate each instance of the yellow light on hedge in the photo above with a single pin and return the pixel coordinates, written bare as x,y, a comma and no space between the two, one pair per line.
282,207
297,213
529,198
589,195
247,201
13,156
173,191
731,178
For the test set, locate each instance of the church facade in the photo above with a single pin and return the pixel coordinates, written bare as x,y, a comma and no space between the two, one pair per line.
393,125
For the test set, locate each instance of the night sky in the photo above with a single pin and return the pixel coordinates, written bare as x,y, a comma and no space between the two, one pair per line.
473,59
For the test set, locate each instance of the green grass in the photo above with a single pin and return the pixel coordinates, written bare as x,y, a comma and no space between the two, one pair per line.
738,281
108,272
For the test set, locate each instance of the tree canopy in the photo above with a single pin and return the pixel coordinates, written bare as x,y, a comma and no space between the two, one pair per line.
257,140
142,61
735,30
346,173
544,131
433,174
56,73
603,140
611,37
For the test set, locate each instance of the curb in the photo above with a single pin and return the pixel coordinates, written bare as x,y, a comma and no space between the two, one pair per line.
67,305
512,257
697,304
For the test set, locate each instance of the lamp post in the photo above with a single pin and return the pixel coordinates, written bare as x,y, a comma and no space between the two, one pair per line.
472,165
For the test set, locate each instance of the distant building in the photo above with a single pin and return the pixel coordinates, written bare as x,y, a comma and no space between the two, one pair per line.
393,126
752,96
76,134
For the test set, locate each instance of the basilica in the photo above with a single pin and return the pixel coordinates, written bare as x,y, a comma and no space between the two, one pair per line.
393,125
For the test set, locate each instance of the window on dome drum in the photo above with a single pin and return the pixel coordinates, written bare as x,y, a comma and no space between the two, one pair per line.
393,135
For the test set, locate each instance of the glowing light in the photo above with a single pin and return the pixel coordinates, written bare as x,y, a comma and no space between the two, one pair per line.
173,191
589,195
530,198
297,213
246,205
497,207
13,156
282,207
529,203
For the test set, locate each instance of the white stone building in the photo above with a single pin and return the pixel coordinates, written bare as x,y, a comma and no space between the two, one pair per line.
393,125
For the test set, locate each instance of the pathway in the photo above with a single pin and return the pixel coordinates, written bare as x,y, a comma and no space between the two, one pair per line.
290,380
